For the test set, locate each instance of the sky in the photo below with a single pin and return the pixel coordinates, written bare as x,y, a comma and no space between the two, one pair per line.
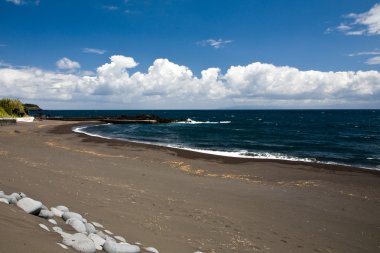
191,54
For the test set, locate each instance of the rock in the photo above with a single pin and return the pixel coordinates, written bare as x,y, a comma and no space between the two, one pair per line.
80,242
69,215
120,238
113,247
63,208
86,246
30,205
151,249
44,227
52,221
96,224
4,200
90,228
56,212
11,199
101,234
1,194
57,229
77,225
43,207
62,245
98,241
16,195
23,195
108,232
46,214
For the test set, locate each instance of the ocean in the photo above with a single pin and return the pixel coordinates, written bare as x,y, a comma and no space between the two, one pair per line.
347,137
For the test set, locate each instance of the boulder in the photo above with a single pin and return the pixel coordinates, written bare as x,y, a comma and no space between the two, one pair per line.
77,225
79,242
11,199
101,234
16,195
30,205
56,212
90,228
122,247
46,214
63,208
69,215
98,241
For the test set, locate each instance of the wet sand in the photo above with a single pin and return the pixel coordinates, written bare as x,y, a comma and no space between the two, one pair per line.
181,201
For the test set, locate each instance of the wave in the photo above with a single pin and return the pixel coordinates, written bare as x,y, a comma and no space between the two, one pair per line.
235,154
190,121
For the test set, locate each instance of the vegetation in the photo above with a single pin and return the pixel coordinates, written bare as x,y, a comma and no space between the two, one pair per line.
31,107
11,108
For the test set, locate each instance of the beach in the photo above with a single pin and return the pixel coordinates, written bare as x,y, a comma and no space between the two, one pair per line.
182,201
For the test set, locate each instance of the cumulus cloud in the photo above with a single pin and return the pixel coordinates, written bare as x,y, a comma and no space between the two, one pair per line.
66,63
215,43
168,85
367,23
93,50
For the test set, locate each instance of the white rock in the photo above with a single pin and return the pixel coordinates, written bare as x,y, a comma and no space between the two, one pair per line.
62,245
108,232
63,208
109,238
113,247
46,214
151,249
84,220
23,195
90,228
101,234
78,225
79,242
98,241
30,205
57,229
198,252
96,224
56,212
1,193
11,199
120,238
69,215
44,226
4,200
85,246
16,195
52,221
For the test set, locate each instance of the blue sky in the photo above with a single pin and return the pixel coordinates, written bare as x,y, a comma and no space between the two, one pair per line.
319,35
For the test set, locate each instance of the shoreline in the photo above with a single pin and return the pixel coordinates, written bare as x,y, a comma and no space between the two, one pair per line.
182,201
194,154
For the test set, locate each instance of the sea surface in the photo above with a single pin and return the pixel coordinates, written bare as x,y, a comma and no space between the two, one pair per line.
348,137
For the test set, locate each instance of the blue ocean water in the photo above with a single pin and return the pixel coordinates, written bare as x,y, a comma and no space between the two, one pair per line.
349,137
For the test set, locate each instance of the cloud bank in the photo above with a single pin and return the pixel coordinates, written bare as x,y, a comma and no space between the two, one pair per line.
168,85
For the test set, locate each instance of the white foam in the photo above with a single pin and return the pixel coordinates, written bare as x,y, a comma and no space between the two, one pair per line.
194,122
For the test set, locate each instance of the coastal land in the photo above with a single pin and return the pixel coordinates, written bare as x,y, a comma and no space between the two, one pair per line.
182,201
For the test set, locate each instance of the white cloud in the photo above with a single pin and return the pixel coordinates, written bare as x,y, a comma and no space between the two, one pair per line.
214,43
367,23
16,2
93,50
168,85
374,60
111,7
66,63
376,52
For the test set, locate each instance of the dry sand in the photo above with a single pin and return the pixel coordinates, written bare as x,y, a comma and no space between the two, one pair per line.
181,201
